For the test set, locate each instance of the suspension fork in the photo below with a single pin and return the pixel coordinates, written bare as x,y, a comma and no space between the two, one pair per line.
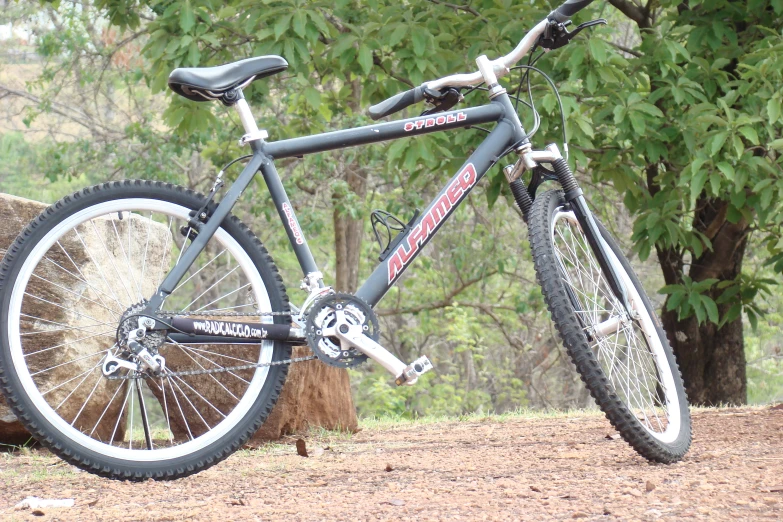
529,159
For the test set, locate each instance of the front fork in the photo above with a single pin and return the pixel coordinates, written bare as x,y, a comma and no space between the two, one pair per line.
529,159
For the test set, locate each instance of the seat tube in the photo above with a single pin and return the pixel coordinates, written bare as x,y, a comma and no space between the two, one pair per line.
287,215
276,189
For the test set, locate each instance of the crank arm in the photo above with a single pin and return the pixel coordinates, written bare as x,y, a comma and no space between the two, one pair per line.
353,336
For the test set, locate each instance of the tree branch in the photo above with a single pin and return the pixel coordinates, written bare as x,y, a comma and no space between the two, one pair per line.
634,12
624,49
443,303
466,8
376,60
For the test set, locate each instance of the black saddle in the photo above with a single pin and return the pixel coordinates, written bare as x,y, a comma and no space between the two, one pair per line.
213,83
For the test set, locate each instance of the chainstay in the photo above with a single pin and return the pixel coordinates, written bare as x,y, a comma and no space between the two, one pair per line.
214,370
218,370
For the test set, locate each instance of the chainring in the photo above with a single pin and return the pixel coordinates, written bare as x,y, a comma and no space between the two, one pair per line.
322,315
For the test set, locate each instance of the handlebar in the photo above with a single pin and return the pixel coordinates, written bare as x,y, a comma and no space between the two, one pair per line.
500,66
397,103
568,9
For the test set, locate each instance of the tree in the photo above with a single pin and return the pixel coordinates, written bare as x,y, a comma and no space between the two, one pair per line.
689,126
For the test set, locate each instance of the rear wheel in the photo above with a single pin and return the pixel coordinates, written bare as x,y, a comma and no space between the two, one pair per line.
626,362
86,266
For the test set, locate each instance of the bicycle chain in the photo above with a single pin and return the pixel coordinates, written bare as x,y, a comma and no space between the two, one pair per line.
220,370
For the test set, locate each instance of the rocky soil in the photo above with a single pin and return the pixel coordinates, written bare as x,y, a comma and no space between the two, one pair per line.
507,468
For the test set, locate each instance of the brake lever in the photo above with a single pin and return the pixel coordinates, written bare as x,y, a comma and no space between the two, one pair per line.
442,100
556,35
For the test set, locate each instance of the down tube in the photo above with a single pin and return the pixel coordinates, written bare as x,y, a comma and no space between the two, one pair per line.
458,188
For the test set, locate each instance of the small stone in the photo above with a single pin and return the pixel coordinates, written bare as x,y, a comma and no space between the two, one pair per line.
389,467
649,486
579,514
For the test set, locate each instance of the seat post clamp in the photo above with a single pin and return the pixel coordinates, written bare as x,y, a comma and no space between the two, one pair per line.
253,136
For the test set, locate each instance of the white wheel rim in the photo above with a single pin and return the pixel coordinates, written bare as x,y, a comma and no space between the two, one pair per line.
32,391
629,370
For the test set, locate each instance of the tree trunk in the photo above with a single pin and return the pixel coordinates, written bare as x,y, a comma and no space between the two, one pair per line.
712,360
348,234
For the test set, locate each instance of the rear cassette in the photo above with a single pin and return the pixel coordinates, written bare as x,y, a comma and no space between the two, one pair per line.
322,316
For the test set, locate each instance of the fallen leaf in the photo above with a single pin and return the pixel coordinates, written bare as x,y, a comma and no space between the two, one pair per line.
536,489
612,436
775,489
38,513
777,407
579,514
397,502
93,503
649,486
301,448
389,467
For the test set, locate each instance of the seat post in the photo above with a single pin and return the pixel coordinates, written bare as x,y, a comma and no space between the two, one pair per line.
248,122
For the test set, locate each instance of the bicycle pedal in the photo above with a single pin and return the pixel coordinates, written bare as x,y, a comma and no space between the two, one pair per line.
413,371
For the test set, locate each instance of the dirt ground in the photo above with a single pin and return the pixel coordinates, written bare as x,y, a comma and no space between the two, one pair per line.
507,468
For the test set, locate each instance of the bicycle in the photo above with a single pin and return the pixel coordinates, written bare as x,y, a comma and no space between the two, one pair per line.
189,326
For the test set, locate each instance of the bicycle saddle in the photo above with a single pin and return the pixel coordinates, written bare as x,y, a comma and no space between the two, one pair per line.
211,83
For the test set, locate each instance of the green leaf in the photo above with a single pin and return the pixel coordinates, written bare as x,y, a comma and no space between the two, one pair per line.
365,59
597,50
313,97
397,35
194,54
750,134
419,39
186,17
697,184
494,190
637,122
776,144
727,170
300,21
282,25
711,307
773,110
717,142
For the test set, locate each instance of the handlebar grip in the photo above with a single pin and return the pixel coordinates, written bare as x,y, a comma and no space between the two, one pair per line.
396,103
568,9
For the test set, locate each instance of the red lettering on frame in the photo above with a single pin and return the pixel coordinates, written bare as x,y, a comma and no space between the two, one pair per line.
431,122
437,212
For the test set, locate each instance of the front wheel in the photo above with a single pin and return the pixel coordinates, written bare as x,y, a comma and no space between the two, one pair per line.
624,359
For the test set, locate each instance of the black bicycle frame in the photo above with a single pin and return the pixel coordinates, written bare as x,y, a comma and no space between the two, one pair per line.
507,133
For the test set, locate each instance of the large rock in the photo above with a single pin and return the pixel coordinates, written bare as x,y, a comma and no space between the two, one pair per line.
315,395
70,312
